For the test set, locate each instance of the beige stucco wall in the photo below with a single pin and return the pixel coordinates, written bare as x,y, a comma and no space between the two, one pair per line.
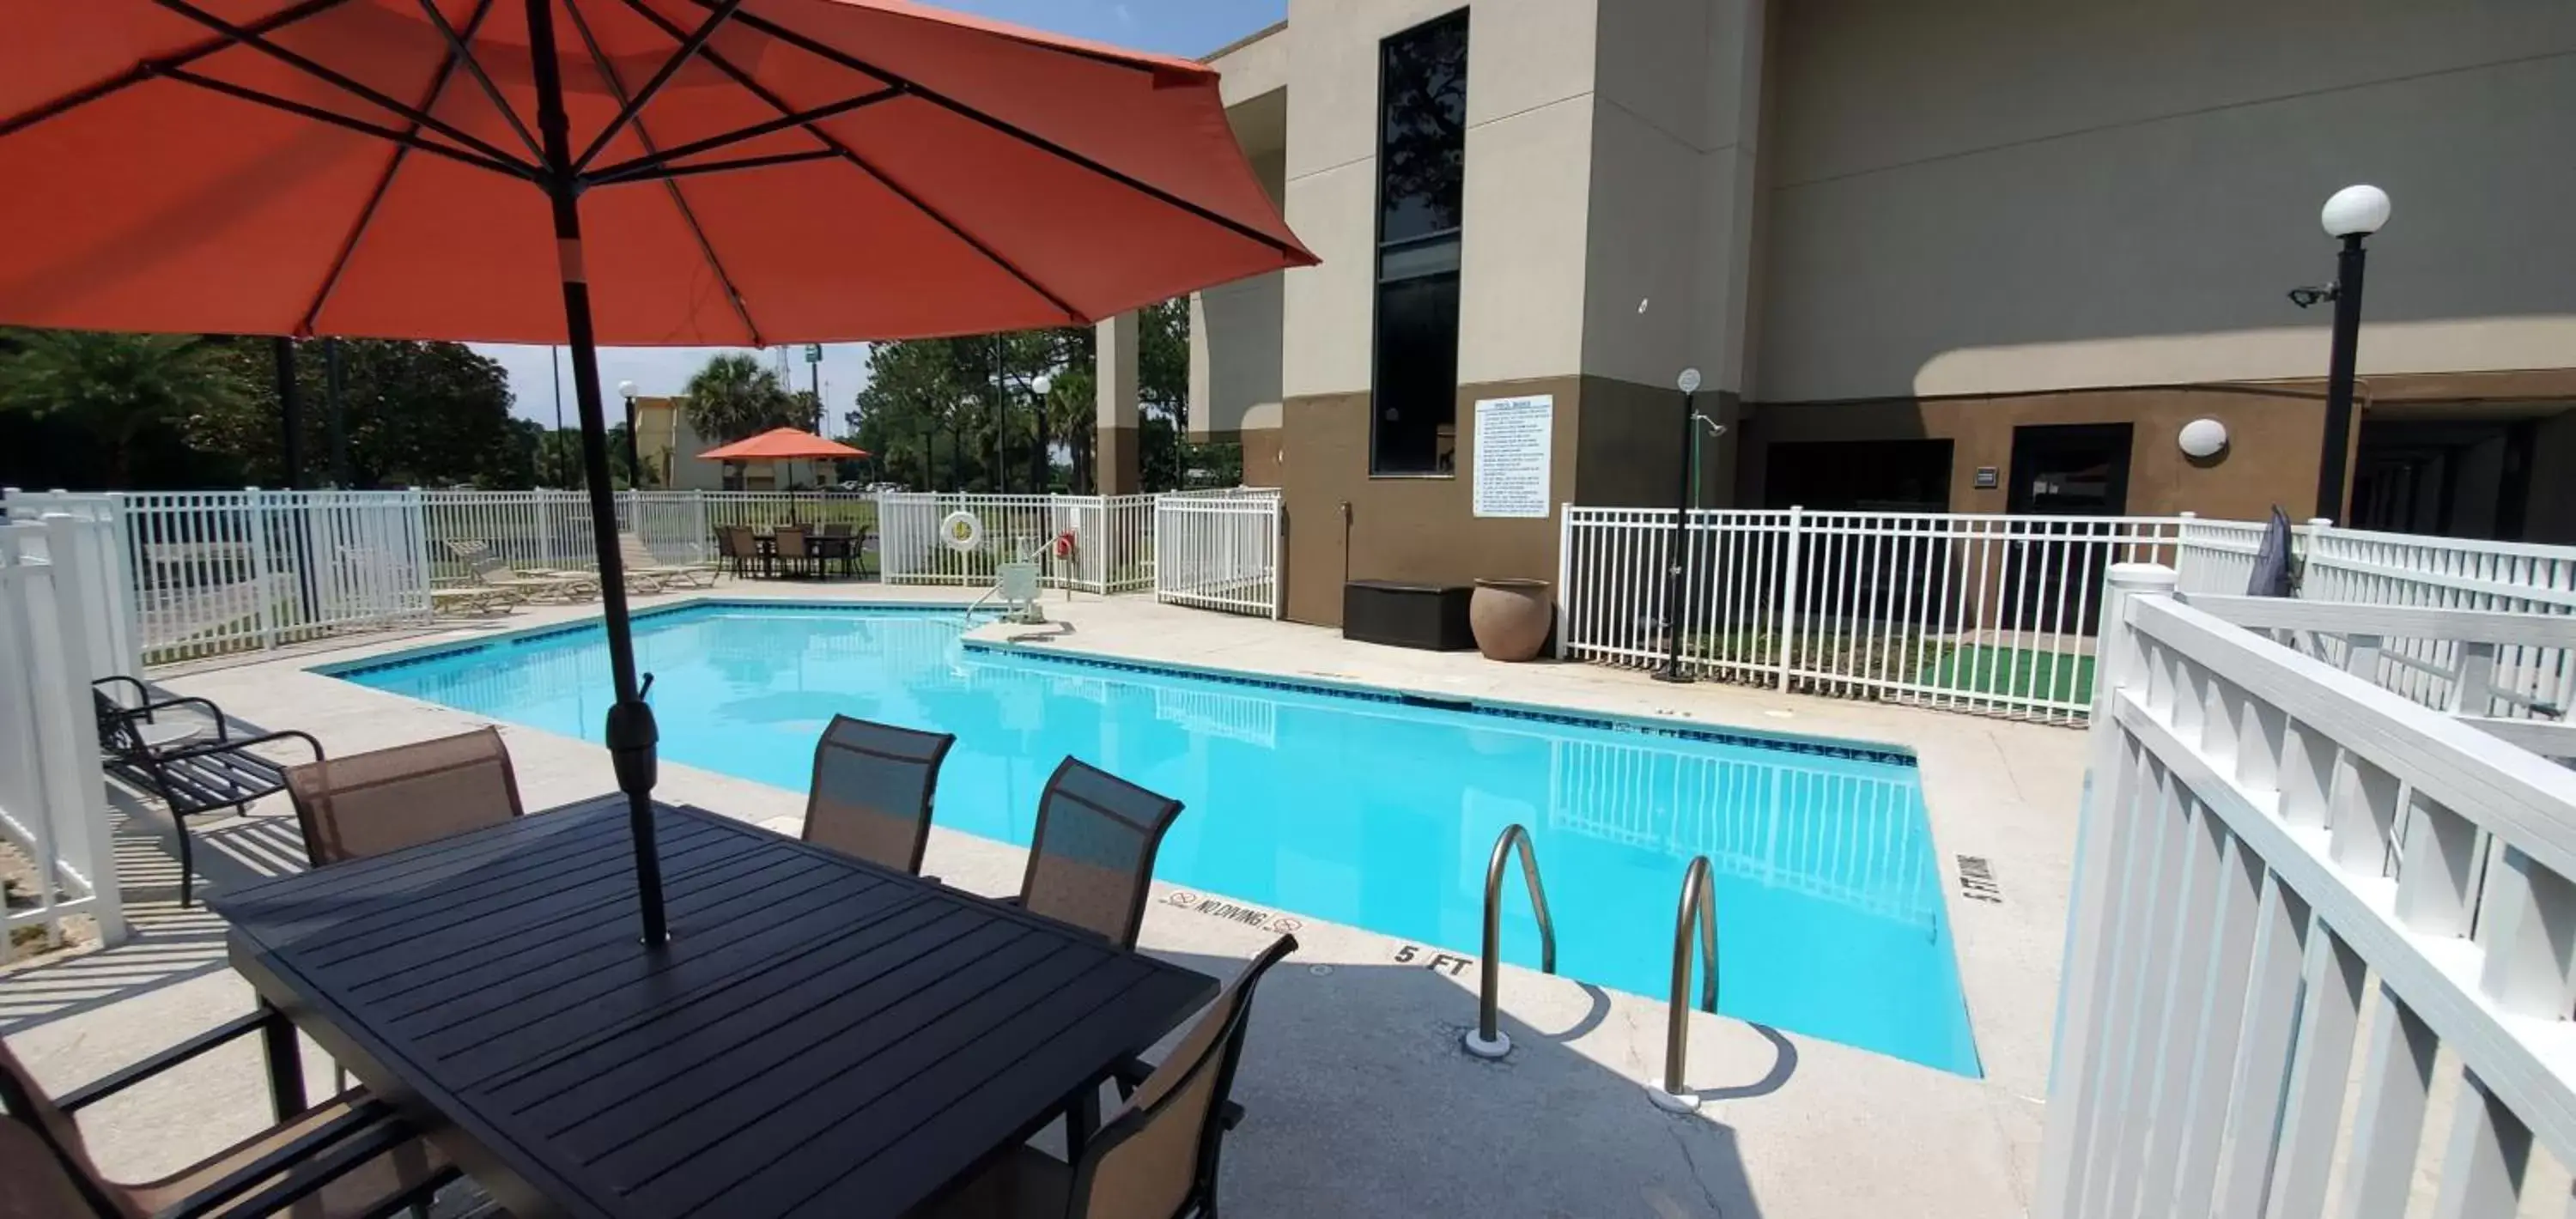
1529,113
2033,194
1674,158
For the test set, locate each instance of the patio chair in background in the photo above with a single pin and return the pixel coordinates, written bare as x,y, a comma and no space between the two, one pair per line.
384,800
640,562
194,773
349,1155
873,785
1092,861
1157,1155
789,542
741,550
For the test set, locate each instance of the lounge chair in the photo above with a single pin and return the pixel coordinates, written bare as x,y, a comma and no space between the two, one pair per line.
486,569
640,563
193,774
1157,1156
872,790
1091,864
348,1156
472,599
384,800
558,586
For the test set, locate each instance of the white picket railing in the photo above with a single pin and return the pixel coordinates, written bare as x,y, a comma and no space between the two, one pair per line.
58,632
1112,539
1984,613
2275,857
1219,551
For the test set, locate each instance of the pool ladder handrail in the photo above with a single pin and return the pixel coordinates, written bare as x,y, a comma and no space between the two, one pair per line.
1698,909
1486,1040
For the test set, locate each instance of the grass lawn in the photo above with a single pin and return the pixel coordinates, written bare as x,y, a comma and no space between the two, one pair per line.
2019,672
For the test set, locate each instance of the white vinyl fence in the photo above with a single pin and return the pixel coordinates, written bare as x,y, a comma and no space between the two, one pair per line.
1111,539
59,616
213,572
2281,863
1984,613
1219,551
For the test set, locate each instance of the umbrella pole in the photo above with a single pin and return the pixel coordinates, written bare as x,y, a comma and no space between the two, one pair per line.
630,733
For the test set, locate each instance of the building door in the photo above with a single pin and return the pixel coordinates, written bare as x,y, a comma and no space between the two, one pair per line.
2071,469
2053,577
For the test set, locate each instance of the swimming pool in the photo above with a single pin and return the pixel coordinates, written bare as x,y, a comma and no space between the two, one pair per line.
1359,807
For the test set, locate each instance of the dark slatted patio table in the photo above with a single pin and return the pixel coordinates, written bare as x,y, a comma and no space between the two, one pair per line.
820,1037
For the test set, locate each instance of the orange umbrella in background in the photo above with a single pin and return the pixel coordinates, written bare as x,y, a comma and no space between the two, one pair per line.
735,172
782,444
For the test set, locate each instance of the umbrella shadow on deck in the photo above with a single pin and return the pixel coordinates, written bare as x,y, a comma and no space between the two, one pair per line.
1361,1102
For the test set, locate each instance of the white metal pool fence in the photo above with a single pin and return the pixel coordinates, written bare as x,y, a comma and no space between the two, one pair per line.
1993,614
1220,550
1090,543
216,572
60,626
2279,863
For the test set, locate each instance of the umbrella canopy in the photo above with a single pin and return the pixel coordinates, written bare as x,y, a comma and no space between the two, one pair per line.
635,171
781,444
749,173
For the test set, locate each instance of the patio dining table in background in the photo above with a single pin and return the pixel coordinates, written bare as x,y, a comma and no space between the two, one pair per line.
820,1035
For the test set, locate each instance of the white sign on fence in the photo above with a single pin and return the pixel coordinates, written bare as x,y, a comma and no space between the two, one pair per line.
1513,438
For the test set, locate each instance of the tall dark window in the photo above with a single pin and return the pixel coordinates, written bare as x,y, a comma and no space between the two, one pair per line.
1422,162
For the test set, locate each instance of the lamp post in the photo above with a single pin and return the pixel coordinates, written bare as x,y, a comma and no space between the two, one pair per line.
1688,383
2355,212
634,452
1038,460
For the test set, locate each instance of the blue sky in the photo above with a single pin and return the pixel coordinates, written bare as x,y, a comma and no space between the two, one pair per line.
1175,27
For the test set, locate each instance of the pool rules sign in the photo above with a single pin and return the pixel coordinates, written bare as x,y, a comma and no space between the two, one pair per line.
1513,436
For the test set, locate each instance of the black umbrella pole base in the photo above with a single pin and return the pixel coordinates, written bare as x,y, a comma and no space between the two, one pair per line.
632,737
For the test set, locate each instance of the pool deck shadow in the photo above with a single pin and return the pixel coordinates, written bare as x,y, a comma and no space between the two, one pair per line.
1361,1101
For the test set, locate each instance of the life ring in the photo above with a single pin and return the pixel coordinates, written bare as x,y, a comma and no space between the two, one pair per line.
1064,544
962,530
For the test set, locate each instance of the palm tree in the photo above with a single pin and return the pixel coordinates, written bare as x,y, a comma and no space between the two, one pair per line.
115,385
733,397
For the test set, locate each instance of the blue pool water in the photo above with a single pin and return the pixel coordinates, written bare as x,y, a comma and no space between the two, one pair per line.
1363,810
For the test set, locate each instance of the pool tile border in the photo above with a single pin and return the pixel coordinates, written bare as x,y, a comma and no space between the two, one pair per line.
1568,717
1611,721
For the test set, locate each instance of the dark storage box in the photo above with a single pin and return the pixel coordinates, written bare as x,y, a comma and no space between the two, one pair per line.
1428,616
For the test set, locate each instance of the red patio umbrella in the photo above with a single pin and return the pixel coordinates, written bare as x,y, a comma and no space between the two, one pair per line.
742,172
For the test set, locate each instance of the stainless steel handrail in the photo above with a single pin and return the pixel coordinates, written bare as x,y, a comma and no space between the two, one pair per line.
1486,1040
1698,909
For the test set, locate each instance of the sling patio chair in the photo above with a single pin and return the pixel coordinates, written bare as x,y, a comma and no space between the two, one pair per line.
741,550
873,785
1091,864
640,563
788,541
1156,1157
383,800
193,774
348,1156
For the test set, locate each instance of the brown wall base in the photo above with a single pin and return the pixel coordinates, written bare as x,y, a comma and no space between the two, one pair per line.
1114,460
2272,454
1614,443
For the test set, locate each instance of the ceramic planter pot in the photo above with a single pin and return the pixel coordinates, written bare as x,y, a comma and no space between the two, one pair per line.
1510,618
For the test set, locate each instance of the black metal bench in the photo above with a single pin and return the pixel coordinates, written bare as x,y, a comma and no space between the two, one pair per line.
191,772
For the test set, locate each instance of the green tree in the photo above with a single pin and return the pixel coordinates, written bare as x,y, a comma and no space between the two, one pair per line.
416,414
112,388
735,396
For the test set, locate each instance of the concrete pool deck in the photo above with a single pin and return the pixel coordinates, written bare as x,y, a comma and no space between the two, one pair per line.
1362,1102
